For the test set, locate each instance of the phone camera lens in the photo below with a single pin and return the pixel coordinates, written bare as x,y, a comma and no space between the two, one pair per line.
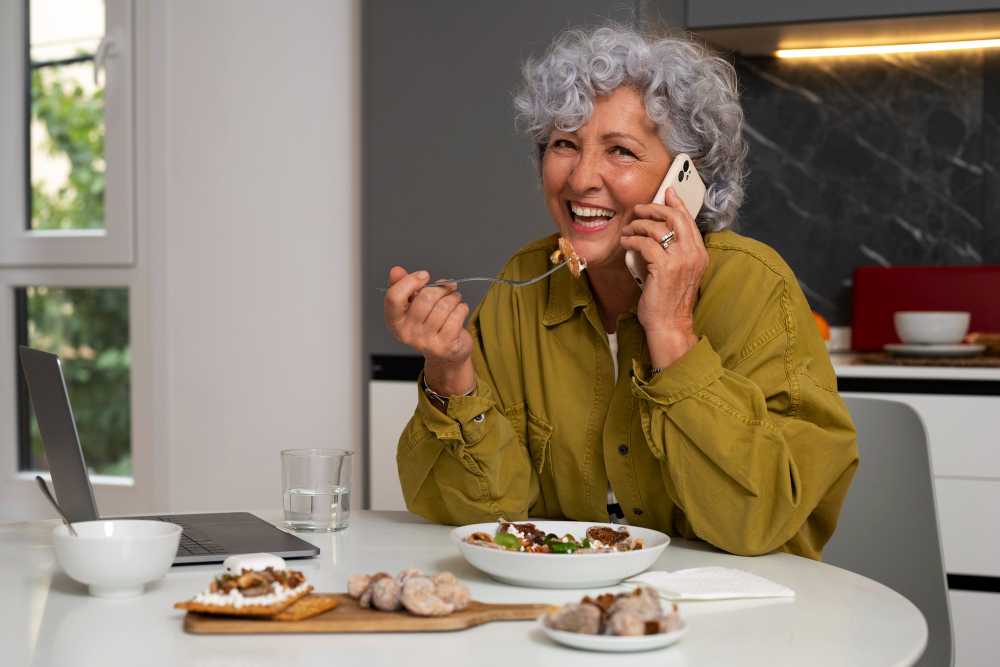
687,165
680,176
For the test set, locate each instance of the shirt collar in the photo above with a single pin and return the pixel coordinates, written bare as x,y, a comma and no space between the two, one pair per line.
566,294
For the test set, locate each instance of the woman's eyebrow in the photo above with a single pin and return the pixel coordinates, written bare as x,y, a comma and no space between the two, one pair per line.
618,135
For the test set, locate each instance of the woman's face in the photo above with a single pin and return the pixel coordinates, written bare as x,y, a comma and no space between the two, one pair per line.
593,177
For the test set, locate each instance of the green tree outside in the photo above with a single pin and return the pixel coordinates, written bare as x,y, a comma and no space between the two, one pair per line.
88,328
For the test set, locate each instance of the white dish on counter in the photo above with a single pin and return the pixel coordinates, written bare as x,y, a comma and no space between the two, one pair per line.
958,350
611,643
931,327
561,570
117,558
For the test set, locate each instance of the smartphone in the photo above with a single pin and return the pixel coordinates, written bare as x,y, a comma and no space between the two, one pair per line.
684,179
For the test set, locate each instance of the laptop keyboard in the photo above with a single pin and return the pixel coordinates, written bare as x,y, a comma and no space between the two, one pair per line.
193,541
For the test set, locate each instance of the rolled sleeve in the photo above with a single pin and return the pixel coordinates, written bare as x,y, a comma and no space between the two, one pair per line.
696,369
458,426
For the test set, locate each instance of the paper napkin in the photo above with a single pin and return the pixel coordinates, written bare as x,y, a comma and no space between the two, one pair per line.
710,583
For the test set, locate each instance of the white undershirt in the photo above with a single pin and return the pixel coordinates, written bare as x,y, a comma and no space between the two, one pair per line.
613,344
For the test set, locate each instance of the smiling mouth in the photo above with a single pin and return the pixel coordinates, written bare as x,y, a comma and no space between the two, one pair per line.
589,216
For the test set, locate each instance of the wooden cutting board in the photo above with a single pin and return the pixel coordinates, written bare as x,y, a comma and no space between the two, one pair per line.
348,616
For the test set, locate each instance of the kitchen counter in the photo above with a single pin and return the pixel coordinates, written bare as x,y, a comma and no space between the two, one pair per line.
847,365
837,618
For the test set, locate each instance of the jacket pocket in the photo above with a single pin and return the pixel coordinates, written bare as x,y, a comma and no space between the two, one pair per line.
534,434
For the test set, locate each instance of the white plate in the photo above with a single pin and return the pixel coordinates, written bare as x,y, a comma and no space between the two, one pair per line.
610,643
959,350
561,570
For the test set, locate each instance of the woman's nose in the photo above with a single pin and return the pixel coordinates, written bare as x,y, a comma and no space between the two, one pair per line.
586,175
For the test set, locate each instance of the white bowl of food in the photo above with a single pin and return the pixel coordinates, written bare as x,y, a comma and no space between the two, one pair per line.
931,327
588,565
117,558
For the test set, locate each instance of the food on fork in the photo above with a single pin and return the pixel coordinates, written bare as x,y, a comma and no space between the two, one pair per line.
527,538
565,253
626,615
264,592
411,589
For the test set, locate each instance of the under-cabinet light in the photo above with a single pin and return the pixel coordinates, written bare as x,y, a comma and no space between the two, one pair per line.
889,48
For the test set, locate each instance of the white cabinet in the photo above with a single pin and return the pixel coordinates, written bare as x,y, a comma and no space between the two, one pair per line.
390,407
974,617
969,515
964,437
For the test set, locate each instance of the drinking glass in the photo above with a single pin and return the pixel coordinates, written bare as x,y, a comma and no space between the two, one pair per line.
317,487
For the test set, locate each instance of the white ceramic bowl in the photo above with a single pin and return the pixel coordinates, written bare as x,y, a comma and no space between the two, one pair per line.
931,328
117,558
561,570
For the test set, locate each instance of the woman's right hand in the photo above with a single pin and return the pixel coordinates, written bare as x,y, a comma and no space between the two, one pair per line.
431,321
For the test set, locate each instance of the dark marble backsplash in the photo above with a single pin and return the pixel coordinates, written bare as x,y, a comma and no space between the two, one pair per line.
877,160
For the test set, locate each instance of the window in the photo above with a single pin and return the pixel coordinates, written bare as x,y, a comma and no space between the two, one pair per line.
88,329
65,134
70,168
68,271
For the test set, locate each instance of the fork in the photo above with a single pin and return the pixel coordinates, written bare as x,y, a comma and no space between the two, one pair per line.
515,283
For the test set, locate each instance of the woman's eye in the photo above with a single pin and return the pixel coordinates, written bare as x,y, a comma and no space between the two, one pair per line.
621,150
563,143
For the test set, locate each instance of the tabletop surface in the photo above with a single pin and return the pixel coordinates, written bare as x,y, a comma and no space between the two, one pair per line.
836,618
847,365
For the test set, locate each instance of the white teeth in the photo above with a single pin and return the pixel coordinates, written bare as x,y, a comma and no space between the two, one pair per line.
581,211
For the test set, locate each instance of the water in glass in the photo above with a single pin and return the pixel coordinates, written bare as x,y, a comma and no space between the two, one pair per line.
317,510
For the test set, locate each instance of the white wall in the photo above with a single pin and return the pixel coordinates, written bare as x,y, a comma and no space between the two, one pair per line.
254,202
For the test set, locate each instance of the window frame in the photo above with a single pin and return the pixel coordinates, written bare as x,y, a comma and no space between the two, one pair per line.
115,244
80,262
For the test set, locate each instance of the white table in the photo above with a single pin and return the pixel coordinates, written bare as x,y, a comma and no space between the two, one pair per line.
837,618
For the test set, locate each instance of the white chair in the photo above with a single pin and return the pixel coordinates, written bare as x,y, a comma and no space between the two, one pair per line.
888,529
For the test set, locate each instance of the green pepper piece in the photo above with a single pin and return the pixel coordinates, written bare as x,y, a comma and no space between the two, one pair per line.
507,541
586,544
563,547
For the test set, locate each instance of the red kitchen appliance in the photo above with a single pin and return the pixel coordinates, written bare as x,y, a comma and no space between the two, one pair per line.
881,291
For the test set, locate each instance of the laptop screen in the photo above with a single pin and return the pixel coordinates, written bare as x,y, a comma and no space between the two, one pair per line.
49,398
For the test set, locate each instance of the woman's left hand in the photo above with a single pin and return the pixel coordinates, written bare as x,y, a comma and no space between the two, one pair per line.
667,303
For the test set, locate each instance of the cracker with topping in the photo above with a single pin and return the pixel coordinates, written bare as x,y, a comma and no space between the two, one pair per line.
565,253
252,593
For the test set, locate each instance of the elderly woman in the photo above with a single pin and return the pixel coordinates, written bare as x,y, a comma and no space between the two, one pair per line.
703,406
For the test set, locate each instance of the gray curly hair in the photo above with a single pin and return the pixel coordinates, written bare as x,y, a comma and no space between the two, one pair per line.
690,93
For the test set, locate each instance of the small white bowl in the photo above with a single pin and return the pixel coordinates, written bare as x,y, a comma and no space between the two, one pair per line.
931,328
117,558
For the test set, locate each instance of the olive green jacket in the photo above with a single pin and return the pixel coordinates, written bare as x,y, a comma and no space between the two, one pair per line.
743,442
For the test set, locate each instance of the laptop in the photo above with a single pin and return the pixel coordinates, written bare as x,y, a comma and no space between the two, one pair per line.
207,538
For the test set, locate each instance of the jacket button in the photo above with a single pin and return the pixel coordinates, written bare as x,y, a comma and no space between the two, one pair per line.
480,417
623,449
637,511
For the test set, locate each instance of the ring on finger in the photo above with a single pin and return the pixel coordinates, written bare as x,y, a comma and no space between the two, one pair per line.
666,238
666,244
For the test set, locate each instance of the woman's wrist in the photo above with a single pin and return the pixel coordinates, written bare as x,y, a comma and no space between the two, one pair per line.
666,347
449,379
